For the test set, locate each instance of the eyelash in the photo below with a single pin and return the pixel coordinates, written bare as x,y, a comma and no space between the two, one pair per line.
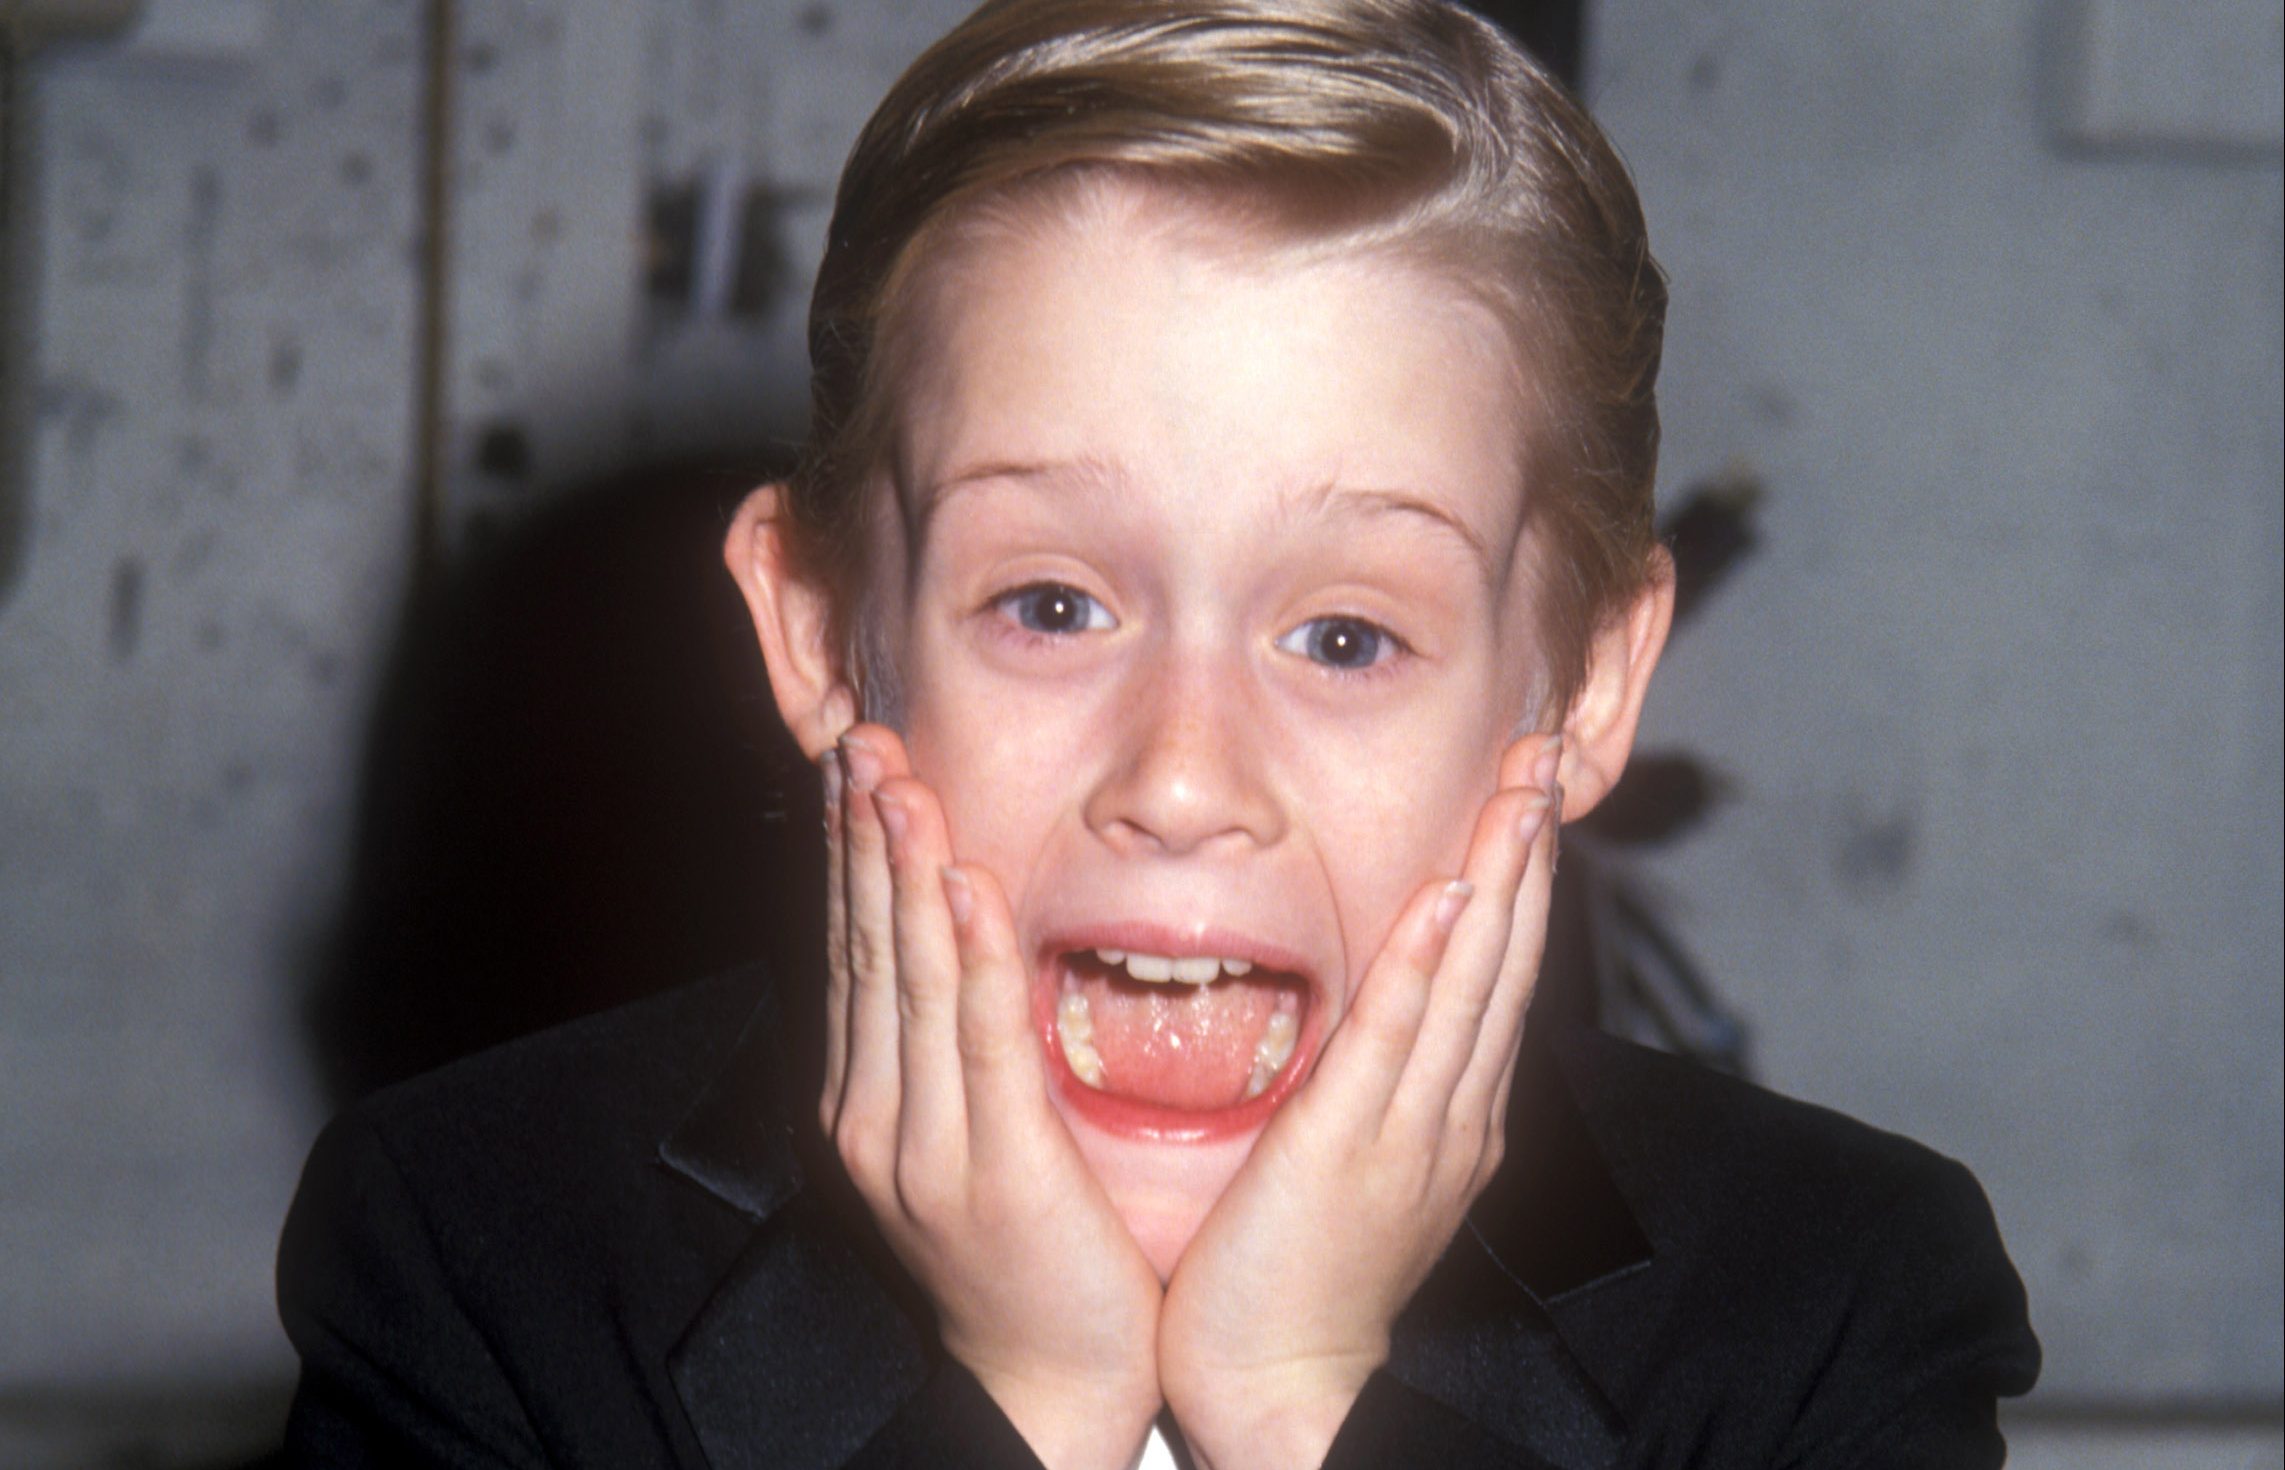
1394,649
1009,606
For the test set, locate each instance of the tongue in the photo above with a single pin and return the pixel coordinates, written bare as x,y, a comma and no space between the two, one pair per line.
1175,1045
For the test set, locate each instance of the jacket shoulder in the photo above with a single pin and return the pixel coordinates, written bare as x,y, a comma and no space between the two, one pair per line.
487,1263
1858,1277
586,1095
1692,1141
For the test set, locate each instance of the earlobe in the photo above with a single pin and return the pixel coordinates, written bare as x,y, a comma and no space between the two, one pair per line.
1599,731
793,622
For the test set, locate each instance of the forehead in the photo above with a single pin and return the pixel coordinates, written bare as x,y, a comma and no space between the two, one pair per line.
1146,337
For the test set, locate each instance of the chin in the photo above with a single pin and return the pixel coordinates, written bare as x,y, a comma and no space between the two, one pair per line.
1162,1188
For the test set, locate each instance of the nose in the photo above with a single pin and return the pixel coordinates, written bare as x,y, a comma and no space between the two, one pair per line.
1190,762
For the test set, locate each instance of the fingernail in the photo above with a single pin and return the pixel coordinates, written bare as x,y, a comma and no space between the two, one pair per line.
894,818
1550,761
829,771
863,763
1535,809
1453,903
959,896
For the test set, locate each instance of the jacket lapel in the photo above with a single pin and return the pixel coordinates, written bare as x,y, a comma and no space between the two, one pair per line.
800,1355
1495,1333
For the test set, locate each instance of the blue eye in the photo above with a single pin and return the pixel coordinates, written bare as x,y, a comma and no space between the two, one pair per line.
1051,607
1348,645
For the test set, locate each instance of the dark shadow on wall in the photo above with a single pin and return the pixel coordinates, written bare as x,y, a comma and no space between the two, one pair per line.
576,789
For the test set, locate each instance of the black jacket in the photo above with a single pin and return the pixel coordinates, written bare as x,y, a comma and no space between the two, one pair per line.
616,1245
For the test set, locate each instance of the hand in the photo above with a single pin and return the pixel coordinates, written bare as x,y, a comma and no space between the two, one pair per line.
936,1098
1281,1307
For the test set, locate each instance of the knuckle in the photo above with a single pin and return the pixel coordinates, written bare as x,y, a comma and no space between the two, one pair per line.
866,953
923,1192
980,1049
1389,1023
862,1145
917,1002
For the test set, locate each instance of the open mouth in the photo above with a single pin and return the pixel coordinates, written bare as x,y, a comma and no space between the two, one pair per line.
1168,1046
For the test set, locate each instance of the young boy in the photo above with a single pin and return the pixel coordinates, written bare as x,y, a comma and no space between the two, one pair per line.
1221,559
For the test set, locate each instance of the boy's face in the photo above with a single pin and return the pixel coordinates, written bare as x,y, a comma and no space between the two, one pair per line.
1211,615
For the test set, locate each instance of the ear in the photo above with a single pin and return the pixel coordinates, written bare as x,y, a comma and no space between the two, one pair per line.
1598,733
793,620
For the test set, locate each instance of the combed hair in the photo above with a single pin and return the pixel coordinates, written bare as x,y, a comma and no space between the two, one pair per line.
1404,125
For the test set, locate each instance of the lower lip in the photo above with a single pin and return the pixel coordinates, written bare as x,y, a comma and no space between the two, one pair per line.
1127,1117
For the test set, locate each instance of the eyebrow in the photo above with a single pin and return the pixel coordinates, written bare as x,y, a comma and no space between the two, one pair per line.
1090,473
1373,504
1085,472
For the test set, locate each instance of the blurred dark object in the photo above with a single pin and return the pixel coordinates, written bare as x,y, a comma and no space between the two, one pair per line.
575,791
26,26
1662,797
1555,32
1611,961
1709,534
714,244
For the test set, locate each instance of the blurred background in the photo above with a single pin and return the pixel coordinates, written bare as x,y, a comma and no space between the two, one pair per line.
375,376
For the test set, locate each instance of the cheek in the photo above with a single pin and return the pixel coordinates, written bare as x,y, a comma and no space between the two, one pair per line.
1399,848
1387,822
1006,766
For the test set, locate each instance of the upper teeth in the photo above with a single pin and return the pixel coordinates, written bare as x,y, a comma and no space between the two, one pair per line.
1159,968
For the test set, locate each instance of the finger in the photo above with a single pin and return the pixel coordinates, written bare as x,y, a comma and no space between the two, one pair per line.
1532,760
1000,1048
1364,1059
1505,1088
1481,1092
836,941
870,1085
1470,972
932,1114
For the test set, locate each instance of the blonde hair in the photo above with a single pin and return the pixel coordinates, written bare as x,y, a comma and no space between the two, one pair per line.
1402,124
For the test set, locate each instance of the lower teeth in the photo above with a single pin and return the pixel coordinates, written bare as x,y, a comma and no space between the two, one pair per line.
1273,1051
1075,1028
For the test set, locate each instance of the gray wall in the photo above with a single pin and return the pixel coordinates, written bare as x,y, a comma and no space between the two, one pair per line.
1998,702
223,308
1995,316
224,493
